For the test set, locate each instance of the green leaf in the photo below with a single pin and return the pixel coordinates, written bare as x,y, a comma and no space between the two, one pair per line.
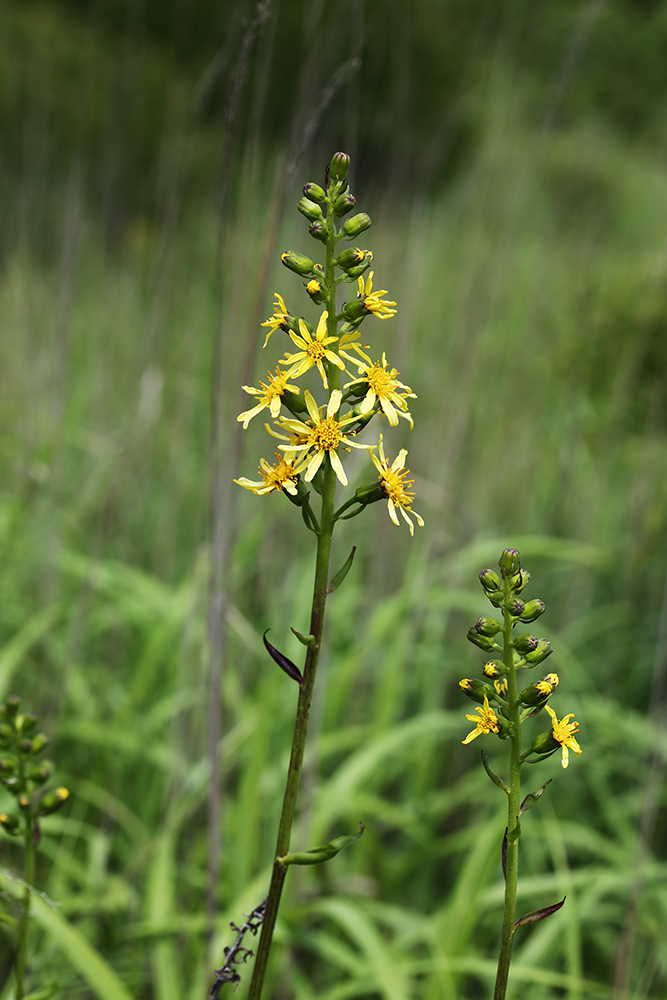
515,834
535,915
305,640
342,573
494,777
101,978
532,798
317,855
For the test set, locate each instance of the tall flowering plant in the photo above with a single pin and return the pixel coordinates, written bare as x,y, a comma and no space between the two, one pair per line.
344,391
503,708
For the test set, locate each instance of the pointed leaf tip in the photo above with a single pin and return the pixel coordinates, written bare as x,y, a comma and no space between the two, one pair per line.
316,855
342,573
532,798
283,662
494,777
535,915
305,640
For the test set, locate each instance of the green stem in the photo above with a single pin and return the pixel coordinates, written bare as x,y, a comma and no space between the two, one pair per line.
513,807
29,879
312,656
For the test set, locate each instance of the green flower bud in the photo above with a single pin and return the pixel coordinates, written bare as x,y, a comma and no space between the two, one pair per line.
532,610
339,166
496,597
297,262
536,694
476,689
26,723
494,668
352,257
544,649
318,231
525,643
354,311
487,626
509,562
6,736
24,802
356,272
356,225
39,742
315,193
344,204
53,801
38,775
544,743
10,707
489,580
316,291
10,824
483,641
515,608
310,209
520,580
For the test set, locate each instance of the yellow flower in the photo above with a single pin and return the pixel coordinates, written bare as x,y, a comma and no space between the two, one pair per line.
323,435
312,351
281,476
486,723
269,396
563,733
501,687
280,317
382,386
372,301
396,486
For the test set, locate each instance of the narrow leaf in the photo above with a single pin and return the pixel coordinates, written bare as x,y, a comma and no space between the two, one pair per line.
283,662
535,915
316,855
342,573
505,855
306,640
494,777
532,798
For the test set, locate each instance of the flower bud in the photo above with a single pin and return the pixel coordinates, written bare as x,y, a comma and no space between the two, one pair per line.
538,693
310,209
544,743
487,626
500,687
476,689
494,668
483,641
315,193
297,262
496,597
339,166
515,608
356,225
6,735
10,707
344,204
544,649
39,742
520,580
489,580
26,723
532,610
318,231
370,493
509,562
316,291
38,775
53,801
525,643
7,766
352,257
10,824
354,311
24,802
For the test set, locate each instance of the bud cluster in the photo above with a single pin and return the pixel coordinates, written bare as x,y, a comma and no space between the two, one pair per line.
22,771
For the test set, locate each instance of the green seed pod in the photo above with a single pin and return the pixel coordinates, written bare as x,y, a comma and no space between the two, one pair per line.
525,643
494,668
352,257
489,580
544,649
476,689
487,626
339,166
10,707
344,204
483,641
509,562
318,231
532,610
10,824
297,262
53,801
315,193
356,225
310,209
316,291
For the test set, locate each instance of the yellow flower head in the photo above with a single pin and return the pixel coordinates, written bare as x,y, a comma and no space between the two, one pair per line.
269,396
280,317
487,722
372,301
281,476
382,385
393,481
563,733
313,351
501,686
323,435
490,669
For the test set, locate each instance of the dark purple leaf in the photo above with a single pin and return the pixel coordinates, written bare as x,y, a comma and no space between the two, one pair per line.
283,662
535,915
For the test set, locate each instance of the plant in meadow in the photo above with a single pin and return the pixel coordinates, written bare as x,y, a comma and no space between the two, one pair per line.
314,430
24,776
502,711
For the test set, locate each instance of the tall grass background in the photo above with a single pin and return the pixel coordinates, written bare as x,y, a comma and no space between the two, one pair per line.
532,322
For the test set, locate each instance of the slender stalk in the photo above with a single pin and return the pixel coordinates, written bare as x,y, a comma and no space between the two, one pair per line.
513,808
29,879
322,559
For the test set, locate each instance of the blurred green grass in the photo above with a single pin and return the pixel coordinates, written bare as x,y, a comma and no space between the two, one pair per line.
532,326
